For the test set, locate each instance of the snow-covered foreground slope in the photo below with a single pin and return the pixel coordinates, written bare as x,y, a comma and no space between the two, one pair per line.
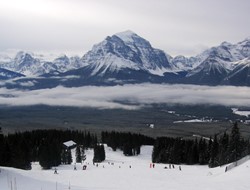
121,177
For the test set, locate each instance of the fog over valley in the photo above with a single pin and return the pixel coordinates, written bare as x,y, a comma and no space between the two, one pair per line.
127,96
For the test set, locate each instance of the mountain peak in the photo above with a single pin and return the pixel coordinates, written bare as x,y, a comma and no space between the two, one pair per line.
226,44
248,38
126,36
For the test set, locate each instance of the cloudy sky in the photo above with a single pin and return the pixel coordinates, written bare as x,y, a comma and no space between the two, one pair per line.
176,26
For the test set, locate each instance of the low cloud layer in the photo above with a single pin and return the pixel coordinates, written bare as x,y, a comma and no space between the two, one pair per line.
128,96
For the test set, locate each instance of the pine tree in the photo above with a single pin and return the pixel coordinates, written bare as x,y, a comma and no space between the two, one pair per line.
69,156
193,155
44,156
21,155
99,153
83,154
235,148
202,151
223,149
176,152
127,149
102,150
78,154
214,153
64,156
138,150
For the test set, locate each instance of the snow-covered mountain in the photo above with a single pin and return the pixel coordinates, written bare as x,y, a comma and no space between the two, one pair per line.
126,50
183,63
30,64
7,74
210,72
226,53
4,58
128,58
212,66
240,75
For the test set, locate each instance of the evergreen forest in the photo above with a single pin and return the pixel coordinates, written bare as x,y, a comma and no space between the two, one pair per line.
46,147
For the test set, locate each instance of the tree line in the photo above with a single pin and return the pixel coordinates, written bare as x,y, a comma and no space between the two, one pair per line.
129,143
46,146
214,152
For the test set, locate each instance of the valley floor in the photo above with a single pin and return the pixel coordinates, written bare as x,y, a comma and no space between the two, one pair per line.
115,174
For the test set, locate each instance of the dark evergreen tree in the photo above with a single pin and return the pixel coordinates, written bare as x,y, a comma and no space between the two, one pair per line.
63,156
78,154
127,149
193,155
99,153
209,149
83,154
223,149
176,152
21,155
69,157
202,151
138,150
44,156
214,152
49,155
235,148
6,156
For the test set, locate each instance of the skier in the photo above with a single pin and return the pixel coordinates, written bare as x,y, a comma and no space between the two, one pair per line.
55,172
153,165
180,168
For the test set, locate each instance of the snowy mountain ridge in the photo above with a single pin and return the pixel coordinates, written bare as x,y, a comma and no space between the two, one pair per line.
127,50
30,64
126,54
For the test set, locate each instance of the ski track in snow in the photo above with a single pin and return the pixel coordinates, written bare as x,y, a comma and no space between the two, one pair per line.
139,176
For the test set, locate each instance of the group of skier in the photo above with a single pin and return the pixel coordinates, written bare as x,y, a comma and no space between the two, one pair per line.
152,165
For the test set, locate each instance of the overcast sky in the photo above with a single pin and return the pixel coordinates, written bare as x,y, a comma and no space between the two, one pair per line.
177,26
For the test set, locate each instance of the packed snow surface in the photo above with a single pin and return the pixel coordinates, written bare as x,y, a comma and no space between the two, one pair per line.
119,175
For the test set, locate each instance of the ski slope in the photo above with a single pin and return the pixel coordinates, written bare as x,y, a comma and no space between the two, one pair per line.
120,176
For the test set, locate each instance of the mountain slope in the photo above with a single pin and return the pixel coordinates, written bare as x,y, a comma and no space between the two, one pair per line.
225,52
126,50
126,172
6,74
128,58
210,72
240,75
31,64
